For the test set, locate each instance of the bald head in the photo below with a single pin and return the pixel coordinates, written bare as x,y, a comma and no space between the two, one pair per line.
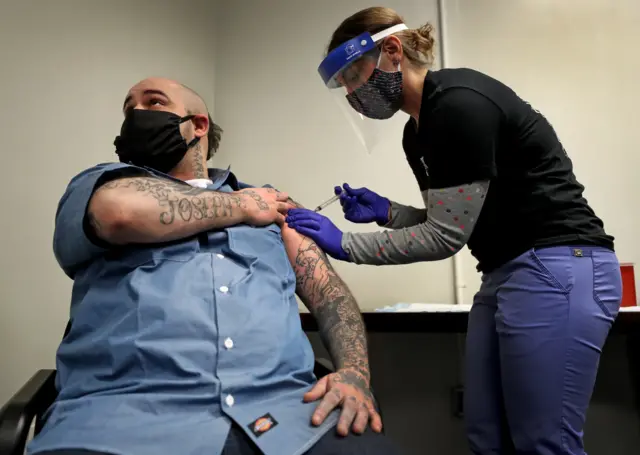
193,101
196,105
156,93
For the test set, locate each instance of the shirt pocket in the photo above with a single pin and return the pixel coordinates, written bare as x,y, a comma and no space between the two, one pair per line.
132,257
262,247
106,286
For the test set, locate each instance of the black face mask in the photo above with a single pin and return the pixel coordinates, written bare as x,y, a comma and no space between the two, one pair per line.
152,139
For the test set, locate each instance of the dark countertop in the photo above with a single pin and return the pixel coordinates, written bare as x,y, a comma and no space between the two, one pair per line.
452,321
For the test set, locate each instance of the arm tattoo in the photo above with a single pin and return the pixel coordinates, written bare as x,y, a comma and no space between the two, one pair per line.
339,320
182,200
295,204
262,205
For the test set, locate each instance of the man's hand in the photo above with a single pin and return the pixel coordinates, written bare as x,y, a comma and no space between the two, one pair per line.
262,206
349,389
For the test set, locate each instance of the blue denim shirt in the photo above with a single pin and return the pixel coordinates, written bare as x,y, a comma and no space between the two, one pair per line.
171,343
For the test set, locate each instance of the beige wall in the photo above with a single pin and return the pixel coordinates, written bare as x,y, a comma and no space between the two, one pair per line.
66,67
577,62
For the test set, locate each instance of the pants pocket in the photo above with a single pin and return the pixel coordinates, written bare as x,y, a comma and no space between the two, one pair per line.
555,269
607,282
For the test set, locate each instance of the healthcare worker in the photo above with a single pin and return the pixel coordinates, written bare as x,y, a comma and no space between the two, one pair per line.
494,177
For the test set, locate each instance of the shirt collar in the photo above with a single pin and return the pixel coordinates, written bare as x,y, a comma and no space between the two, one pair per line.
430,89
217,178
431,86
200,183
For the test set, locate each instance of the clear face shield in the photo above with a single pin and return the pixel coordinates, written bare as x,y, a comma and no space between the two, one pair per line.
365,93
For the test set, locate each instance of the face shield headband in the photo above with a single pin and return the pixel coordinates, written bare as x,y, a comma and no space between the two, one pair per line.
348,52
363,92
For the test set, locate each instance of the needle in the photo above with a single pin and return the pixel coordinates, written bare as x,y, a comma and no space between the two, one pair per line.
327,203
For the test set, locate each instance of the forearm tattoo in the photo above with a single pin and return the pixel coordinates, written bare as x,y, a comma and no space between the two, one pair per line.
339,320
182,201
261,203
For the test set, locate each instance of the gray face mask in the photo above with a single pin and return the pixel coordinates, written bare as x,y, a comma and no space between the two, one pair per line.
380,97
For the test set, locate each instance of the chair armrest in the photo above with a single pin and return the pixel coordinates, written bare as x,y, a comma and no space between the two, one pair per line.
28,403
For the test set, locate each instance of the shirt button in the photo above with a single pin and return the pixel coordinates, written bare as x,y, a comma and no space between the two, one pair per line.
228,343
224,289
220,256
229,400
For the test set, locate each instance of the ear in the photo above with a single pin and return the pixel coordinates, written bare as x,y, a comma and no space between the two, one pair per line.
200,125
392,46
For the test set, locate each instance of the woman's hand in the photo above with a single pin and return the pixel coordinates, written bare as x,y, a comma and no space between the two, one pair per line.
320,229
361,205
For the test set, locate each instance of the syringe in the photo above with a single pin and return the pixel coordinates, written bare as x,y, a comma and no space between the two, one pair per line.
327,203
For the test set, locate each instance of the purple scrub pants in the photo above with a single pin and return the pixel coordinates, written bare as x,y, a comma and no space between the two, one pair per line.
536,331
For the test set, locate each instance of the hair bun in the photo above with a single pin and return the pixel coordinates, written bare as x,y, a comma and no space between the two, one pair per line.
426,32
422,41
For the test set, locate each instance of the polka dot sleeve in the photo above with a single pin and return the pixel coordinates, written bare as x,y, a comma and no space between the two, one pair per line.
451,217
405,215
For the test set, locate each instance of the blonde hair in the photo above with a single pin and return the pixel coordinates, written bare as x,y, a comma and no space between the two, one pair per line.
417,44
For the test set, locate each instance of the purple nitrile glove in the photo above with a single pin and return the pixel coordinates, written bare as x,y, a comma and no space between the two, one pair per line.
361,205
320,229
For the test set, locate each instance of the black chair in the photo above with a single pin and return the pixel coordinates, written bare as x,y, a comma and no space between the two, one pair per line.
34,398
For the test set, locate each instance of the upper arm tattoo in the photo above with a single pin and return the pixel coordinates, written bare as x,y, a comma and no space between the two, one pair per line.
315,277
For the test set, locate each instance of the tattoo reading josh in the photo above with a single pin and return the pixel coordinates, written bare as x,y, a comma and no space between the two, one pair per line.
184,201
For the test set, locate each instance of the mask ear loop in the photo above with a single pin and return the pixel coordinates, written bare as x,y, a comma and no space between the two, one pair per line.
195,140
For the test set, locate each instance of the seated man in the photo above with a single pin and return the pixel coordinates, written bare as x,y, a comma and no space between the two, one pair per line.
185,337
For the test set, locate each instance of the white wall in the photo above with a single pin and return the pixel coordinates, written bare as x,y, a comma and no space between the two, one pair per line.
577,62
66,67
282,126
